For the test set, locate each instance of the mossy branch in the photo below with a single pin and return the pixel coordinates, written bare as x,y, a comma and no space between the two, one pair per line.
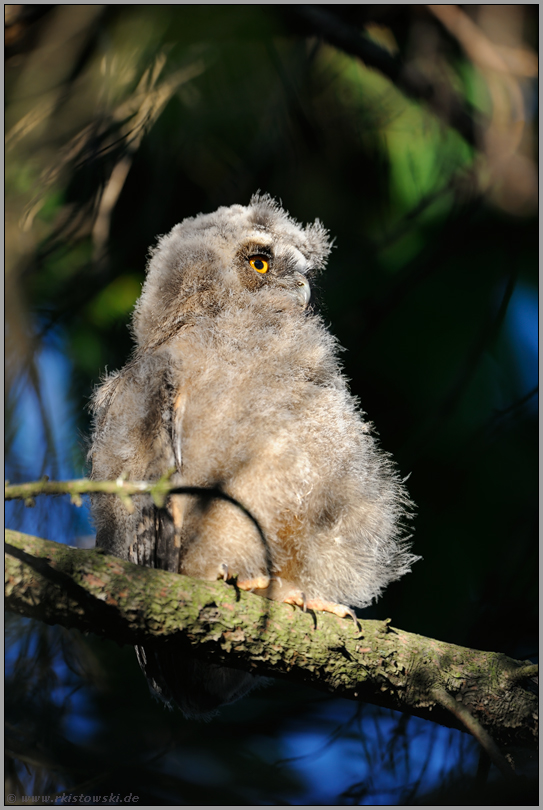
375,662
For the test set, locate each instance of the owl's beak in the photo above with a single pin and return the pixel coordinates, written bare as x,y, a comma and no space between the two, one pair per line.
298,287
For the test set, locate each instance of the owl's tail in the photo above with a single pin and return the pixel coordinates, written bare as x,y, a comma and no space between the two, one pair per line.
197,687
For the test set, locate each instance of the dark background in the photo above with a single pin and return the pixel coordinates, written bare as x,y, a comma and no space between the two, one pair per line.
412,138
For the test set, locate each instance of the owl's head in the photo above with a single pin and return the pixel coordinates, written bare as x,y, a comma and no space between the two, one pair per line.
209,261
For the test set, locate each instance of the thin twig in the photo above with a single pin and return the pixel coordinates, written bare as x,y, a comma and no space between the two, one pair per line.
474,727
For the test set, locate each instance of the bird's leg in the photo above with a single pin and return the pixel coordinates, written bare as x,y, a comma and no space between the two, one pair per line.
298,598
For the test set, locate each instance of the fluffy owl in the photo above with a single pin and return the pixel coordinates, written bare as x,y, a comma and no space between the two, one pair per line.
235,383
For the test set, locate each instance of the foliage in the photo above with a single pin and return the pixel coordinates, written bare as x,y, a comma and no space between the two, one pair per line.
122,120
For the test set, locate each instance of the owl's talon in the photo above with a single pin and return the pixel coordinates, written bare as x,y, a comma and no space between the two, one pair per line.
350,612
298,598
258,583
222,572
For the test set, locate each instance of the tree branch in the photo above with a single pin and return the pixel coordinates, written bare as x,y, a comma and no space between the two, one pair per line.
326,23
380,664
158,489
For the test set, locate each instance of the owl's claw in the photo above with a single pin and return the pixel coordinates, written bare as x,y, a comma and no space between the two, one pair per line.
222,572
298,598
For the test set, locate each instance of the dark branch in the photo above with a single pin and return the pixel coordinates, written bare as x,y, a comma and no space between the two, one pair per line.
326,24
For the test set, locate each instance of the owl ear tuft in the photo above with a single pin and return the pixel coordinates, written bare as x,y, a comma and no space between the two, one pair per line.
265,211
319,244
268,213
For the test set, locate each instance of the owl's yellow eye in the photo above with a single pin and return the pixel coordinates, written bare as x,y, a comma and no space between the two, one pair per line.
259,263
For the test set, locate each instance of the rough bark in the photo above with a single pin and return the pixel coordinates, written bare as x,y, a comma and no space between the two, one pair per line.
374,662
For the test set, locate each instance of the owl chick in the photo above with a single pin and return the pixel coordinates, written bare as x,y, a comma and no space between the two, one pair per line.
235,382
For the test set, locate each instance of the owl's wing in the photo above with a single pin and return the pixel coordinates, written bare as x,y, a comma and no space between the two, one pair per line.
137,436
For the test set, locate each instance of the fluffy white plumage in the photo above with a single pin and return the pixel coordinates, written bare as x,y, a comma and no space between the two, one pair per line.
236,383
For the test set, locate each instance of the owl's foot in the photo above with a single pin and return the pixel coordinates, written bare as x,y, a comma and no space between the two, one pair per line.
255,584
298,598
